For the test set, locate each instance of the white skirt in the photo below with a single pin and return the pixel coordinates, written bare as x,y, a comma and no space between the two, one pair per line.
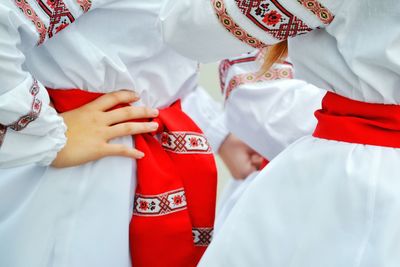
318,204
72,217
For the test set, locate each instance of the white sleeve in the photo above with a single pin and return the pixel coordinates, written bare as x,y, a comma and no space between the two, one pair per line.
30,130
208,115
209,30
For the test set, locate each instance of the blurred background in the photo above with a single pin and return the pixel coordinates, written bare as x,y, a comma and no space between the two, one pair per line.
209,79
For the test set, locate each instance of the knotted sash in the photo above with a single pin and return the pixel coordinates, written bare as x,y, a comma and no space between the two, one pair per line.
174,205
347,120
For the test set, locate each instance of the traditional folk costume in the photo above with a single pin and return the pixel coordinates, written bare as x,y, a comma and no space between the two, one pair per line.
81,216
268,111
331,199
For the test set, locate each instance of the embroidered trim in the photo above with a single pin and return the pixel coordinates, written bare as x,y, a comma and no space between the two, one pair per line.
202,236
36,107
185,143
28,11
323,14
234,28
85,5
225,66
59,14
158,205
3,131
248,78
273,18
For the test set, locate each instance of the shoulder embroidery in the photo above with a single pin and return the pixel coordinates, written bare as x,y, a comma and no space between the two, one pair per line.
56,10
323,14
234,28
28,11
249,78
273,18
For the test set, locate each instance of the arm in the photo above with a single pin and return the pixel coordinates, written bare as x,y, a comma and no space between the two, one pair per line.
270,111
30,130
224,28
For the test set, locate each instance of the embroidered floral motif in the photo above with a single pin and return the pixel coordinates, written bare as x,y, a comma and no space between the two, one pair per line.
273,18
273,74
3,131
158,205
36,107
323,14
85,5
234,28
28,11
185,143
202,236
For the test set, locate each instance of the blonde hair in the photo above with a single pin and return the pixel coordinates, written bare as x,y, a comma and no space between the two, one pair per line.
276,53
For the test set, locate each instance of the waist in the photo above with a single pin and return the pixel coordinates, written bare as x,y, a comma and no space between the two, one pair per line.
351,121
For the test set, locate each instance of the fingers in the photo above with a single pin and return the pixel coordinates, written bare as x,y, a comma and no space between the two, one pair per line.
130,128
129,113
110,100
123,151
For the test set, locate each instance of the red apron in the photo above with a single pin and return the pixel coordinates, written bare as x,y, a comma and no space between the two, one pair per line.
174,205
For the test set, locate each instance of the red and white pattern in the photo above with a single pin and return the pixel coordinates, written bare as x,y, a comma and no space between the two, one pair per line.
3,131
56,10
36,107
234,28
185,143
247,78
85,5
28,11
323,14
202,236
273,18
158,205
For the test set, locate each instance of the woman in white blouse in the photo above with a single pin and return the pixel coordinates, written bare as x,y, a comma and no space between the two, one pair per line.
331,199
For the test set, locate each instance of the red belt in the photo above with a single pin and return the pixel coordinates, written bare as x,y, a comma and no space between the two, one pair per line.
352,121
174,206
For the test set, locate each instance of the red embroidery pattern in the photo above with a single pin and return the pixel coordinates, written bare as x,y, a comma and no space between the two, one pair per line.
26,8
202,236
226,64
185,143
273,74
85,5
273,18
3,131
59,14
36,107
234,28
158,205
323,14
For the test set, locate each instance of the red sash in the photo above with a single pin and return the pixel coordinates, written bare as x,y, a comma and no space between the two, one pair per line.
174,205
352,121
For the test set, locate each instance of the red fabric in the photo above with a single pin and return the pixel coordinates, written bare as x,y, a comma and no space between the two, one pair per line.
351,121
165,239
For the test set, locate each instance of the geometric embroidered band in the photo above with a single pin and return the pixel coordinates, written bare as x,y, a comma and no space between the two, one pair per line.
185,143
234,28
158,205
323,14
202,236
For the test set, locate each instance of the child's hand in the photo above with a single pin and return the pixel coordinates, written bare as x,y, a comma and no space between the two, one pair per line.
91,126
240,159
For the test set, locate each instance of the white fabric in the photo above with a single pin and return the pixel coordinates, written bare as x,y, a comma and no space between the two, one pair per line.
77,216
270,115
321,202
208,115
